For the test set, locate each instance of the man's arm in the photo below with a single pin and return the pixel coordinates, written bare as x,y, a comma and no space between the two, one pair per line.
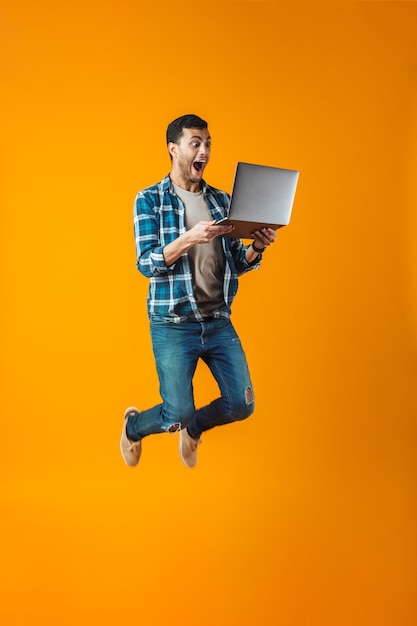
203,232
263,239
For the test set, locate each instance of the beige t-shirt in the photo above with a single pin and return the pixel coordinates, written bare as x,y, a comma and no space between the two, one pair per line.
206,259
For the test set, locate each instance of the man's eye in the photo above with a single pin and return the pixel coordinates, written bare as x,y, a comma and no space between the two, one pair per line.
195,144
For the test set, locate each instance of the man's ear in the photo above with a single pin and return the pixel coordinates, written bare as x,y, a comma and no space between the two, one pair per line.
172,148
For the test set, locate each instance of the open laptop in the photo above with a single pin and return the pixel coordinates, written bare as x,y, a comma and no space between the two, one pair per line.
262,197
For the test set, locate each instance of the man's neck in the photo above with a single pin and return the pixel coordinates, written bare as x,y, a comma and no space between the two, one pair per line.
185,184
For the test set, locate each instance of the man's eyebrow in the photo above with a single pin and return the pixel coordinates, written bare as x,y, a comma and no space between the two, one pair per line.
200,137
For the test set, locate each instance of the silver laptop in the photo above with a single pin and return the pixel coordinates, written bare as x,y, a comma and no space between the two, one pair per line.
262,197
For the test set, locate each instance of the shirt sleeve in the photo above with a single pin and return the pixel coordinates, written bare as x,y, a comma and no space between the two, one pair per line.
239,257
149,251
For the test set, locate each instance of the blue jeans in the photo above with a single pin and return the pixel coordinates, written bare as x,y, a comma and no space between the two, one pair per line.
177,348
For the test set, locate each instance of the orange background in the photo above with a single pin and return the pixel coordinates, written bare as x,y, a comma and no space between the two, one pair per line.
306,513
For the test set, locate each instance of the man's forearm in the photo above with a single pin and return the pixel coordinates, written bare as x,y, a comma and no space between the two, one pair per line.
250,254
176,248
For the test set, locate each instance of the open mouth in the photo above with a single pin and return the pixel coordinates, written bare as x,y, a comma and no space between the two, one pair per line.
199,165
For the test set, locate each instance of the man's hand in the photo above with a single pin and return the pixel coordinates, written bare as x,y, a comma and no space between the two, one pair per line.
205,232
202,232
262,239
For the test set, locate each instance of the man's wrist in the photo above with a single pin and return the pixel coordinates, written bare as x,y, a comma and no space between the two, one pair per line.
258,250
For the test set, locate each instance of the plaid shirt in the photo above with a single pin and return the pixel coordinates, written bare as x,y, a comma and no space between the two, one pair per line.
158,220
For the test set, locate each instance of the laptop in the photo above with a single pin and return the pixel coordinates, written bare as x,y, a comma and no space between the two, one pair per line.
262,197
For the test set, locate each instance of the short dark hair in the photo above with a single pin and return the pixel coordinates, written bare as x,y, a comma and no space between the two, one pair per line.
175,128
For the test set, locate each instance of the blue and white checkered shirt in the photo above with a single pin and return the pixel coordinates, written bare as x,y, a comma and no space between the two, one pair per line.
158,220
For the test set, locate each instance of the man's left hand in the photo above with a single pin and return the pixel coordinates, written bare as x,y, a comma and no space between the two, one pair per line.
264,237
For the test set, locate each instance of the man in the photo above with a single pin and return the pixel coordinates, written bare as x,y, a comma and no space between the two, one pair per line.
193,269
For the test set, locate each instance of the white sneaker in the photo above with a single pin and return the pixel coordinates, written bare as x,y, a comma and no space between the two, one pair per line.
131,450
188,448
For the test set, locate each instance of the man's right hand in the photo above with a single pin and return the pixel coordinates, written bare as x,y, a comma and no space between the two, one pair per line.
205,232
202,232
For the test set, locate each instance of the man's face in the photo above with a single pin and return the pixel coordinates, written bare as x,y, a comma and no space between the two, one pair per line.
191,154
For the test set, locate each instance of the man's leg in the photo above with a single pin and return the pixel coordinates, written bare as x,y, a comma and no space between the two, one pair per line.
176,349
224,355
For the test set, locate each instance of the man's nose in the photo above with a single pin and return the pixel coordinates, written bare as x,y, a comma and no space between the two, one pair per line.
204,151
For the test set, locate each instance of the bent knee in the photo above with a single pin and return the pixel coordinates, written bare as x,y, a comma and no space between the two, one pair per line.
249,397
246,407
246,411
